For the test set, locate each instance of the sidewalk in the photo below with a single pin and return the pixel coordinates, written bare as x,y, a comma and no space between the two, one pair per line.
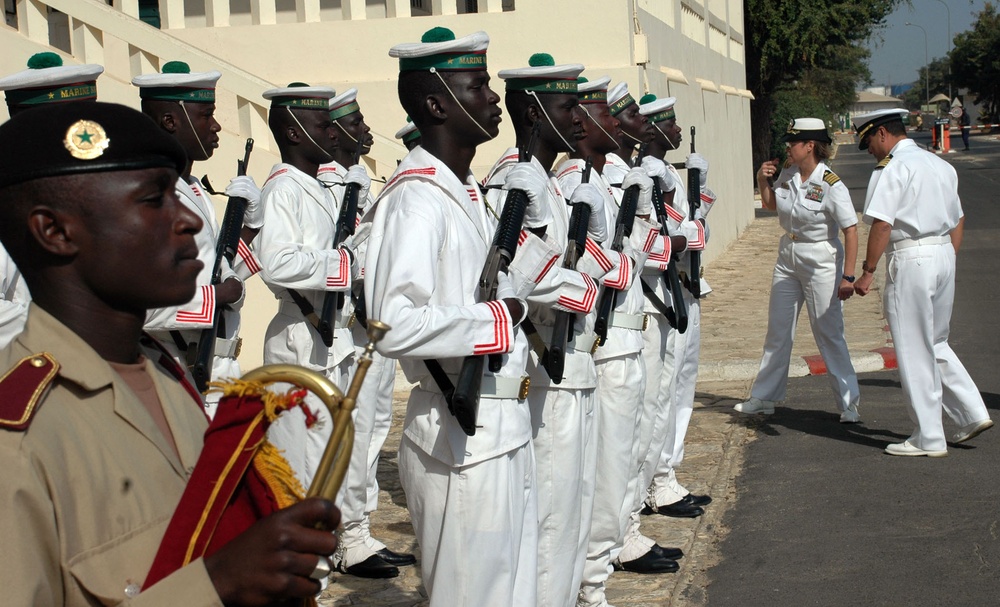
734,321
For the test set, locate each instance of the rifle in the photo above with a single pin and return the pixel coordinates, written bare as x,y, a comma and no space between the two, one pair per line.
555,362
346,224
229,240
694,201
623,230
677,316
464,401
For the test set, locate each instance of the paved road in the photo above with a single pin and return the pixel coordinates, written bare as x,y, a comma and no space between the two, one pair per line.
823,517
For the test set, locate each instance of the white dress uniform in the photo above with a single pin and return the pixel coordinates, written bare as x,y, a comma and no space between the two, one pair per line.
621,384
810,264
372,414
562,415
917,193
471,498
295,251
14,299
182,325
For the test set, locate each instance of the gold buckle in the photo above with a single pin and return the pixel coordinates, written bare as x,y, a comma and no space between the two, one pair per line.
597,344
350,321
645,321
239,347
522,392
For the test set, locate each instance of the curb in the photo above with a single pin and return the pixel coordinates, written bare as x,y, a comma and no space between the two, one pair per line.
879,359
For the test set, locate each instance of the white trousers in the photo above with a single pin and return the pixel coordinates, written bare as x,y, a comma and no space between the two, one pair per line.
664,488
657,403
621,382
807,272
919,293
563,436
359,493
475,526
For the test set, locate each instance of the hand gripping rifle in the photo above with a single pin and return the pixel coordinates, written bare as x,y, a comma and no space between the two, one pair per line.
464,402
623,230
694,201
346,224
229,240
555,362
677,316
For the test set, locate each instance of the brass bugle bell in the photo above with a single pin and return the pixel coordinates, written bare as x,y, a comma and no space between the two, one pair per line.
337,455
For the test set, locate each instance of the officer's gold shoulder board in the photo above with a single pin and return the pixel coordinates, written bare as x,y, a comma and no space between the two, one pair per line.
884,163
830,177
23,388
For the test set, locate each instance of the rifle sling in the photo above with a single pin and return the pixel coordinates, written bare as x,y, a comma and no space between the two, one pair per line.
441,379
658,303
307,309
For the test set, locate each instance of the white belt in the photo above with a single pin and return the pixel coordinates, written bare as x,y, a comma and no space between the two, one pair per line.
802,239
492,386
288,308
228,348
584,342
639,322
906,243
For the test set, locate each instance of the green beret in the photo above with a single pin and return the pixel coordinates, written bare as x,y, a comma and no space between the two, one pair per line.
73,138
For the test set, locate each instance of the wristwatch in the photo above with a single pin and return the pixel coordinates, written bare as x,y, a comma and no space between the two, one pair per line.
867,268
848,278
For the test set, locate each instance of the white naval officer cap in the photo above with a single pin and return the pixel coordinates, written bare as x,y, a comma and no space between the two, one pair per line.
867,123
806,129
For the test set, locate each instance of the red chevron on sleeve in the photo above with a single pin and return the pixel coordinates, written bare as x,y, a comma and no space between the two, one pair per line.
699,243
248,257
599,256
548,266
207,311
624,271
650,240
522,237
500,326
340,279
662,257
673,213
707,199
584,305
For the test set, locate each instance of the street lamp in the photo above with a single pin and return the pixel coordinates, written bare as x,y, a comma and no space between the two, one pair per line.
927,71
950,97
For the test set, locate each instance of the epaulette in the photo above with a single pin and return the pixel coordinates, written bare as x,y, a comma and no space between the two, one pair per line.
23,388
884,163
830,177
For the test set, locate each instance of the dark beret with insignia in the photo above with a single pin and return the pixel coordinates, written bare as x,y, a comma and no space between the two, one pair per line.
92,137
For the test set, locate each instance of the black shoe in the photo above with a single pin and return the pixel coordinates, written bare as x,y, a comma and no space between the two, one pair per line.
651,562
698,500
668,553
679,509
372,567
399,559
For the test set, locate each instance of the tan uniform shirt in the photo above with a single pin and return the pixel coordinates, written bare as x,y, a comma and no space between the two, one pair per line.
88,489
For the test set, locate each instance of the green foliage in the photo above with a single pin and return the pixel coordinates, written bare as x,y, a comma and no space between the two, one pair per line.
790,103
814,47
938,83
975,61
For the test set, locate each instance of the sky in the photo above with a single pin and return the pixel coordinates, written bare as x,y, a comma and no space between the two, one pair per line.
897,50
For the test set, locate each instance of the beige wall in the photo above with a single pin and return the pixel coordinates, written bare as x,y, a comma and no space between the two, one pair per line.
689,49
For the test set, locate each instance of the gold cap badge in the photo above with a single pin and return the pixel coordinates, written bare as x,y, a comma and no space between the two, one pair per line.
86,140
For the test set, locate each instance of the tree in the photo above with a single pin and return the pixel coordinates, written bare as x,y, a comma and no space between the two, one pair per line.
975,60
793,43
918,95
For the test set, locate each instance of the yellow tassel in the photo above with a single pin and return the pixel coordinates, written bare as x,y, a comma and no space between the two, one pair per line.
274,404
277,473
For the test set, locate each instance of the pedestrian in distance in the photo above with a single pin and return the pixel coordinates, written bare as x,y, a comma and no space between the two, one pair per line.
917,220
813,268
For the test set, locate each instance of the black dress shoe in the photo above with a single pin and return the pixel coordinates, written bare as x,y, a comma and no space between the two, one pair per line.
651,562
668,553
399,559
698,500
678,509
372,567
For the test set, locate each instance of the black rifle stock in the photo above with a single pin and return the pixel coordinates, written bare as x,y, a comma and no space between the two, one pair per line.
229,240
464,403
555,362
694,201
678,319
346,224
